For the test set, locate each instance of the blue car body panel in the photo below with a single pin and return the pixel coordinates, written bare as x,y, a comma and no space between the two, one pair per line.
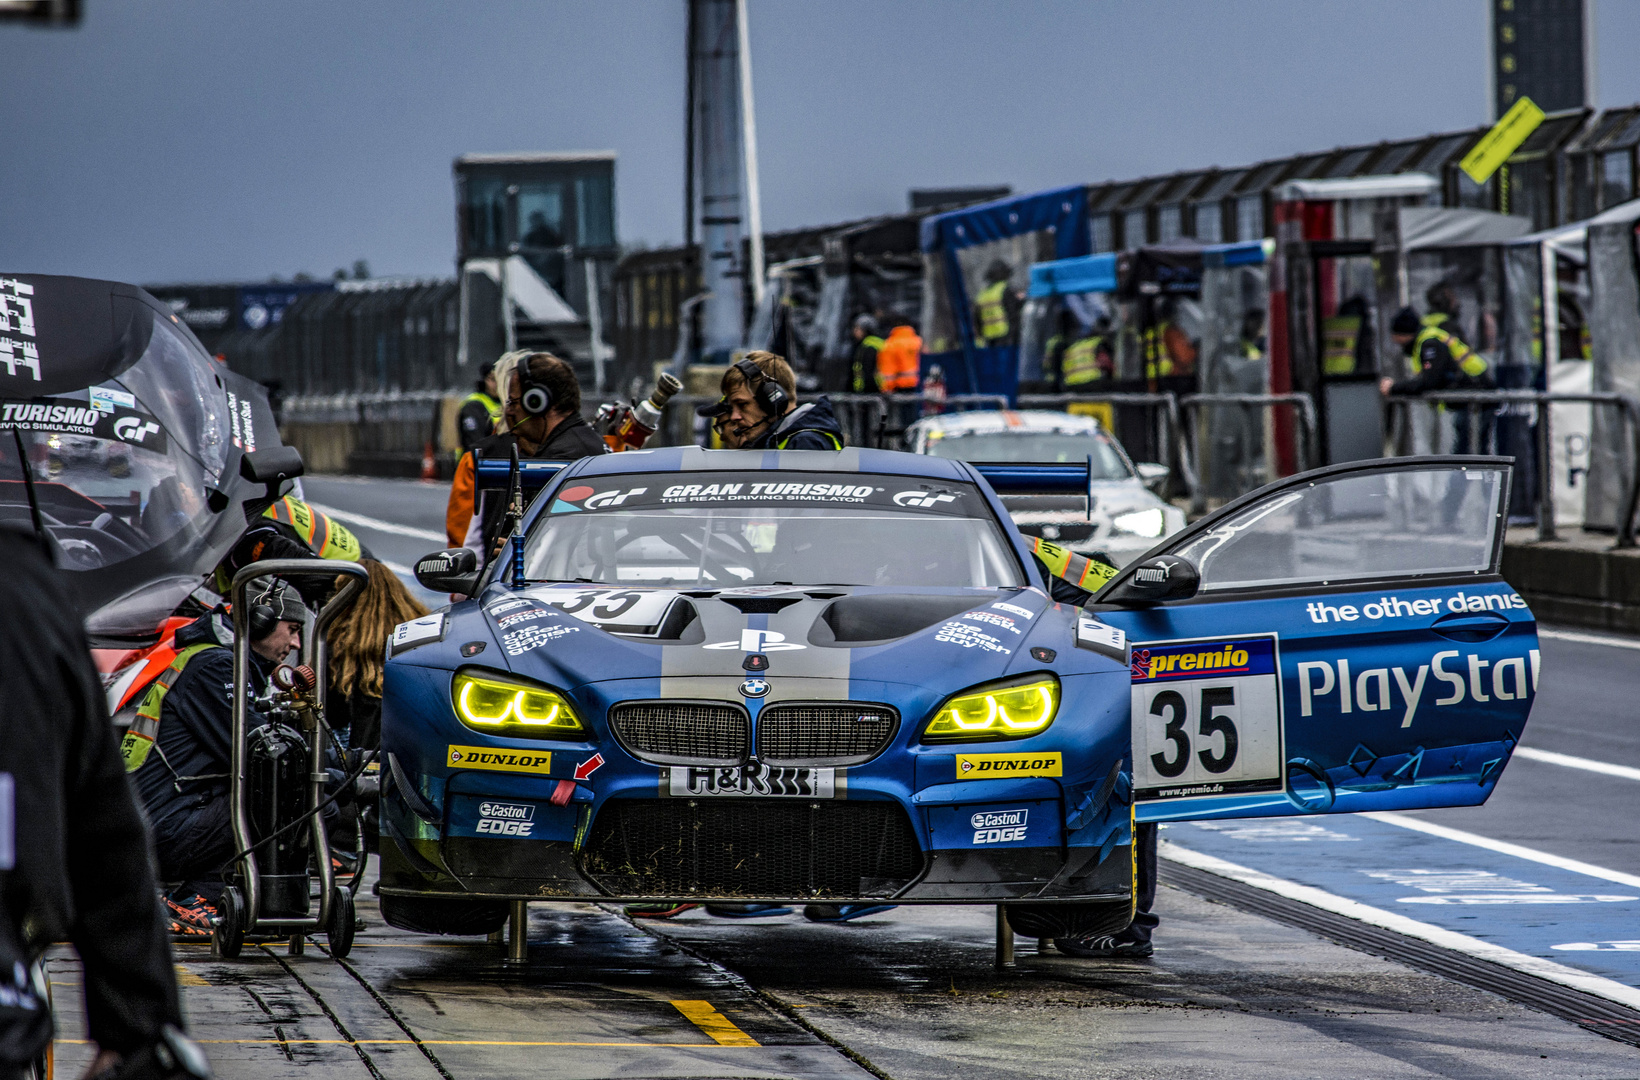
1047,817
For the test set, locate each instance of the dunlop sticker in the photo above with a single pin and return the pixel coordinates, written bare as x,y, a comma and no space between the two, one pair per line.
538,762
1004,766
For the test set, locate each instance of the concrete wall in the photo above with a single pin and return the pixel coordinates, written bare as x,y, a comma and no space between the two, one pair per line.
1577,582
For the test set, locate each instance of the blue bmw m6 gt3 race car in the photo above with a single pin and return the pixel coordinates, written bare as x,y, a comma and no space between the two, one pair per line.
845,677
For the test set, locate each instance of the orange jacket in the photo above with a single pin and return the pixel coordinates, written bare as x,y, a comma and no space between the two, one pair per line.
899,361
459,514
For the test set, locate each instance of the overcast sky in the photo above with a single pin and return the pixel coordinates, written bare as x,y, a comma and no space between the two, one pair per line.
208,140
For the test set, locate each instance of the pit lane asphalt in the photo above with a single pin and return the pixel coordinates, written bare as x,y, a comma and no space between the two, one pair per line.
912,993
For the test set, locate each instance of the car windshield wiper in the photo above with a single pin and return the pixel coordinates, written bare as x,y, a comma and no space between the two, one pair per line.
28,487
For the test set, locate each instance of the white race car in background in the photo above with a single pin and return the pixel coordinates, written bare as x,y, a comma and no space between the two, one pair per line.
1123,518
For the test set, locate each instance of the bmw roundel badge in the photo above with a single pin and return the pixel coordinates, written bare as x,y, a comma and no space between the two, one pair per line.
754,687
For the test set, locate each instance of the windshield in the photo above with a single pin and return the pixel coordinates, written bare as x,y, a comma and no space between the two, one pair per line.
120,472
1035,446
721,530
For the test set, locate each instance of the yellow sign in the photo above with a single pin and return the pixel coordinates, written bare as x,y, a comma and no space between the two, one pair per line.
1504,139
1101,411
1004,766
538,762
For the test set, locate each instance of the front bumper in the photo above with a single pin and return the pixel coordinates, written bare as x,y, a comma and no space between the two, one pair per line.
955,843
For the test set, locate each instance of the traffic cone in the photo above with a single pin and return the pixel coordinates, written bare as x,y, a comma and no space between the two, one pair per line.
429,462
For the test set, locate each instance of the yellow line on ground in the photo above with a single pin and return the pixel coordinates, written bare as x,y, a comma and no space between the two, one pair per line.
188,978
719,1027
430,1042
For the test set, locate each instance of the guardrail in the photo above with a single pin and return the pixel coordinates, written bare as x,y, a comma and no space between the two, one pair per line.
1302,407
1474,401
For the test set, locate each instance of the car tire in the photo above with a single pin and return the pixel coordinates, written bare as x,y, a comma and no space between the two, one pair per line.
1093,919
434,915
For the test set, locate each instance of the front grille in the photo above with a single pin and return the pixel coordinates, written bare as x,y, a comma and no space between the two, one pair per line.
735,846
823,732
679,732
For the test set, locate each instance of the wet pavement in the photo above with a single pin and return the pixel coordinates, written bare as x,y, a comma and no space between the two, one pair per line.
911,993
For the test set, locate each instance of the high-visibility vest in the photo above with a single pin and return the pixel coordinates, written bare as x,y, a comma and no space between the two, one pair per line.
859,377
329,539
139,738
993,314
491,405
1085,573
898,361
1469,361
1081,362
1159,360
836,443
1338,337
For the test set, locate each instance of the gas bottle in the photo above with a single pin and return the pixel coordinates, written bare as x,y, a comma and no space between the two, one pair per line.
276,767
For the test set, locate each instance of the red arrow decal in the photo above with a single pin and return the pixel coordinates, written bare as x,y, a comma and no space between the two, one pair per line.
589,766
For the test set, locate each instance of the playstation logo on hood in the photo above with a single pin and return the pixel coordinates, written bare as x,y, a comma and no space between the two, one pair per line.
754,687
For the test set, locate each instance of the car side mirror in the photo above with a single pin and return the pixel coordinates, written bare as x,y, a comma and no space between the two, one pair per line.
1165,577
1151,474
454,570
272,467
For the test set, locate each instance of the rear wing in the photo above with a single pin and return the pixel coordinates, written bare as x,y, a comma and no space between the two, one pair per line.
1005,477
496,473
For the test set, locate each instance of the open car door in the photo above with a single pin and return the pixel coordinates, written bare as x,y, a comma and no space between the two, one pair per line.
1350,646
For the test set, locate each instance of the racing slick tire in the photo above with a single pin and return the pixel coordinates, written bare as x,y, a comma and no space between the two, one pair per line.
229,935
339,928
1092,919
432,915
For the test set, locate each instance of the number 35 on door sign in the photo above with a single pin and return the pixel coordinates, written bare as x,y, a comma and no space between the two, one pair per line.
1206,717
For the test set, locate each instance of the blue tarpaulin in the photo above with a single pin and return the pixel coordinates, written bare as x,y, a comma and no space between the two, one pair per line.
1089,273
1246,253
1061,212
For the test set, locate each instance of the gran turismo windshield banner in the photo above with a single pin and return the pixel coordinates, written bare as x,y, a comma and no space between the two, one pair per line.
105,414
651,491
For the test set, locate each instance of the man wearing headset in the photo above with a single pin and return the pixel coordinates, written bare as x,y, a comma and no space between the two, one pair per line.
759,409
542,411
181,776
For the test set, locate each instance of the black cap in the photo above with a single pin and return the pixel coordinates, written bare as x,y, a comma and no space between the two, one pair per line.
1405,322
720,407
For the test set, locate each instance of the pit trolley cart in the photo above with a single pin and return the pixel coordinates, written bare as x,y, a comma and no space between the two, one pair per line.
279,782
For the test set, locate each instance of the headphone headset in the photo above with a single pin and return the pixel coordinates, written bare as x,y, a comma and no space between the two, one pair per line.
263,617
770,395
535,398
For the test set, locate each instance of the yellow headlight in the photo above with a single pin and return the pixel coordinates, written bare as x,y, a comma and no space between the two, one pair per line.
517,710
996,712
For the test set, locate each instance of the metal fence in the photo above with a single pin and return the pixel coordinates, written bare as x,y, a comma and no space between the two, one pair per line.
1254,469
1478,435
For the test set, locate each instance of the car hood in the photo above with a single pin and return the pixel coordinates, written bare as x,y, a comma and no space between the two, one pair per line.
816,640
